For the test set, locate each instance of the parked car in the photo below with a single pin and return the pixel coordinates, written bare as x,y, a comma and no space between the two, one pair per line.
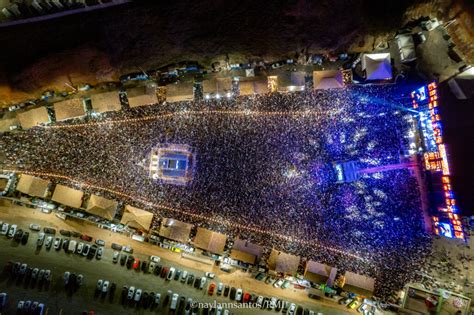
12,230
210,275
232,293
278,283
131,293
41,275
136,264
40,240
174,302
72,246
177,275
211,289
116,246
292,309
67,274
130,261
5,228
220,287
138,295
105,286
86,238
115,257
286,284
49,242
128,249
226,290
202,283
100,252
99,284
190,279
123,259
100,242
184,276
57,243
23,268
79,280
170,274
34,273
35,227
157,299
48,230
238,295
18,235
65,233
155,259
85,249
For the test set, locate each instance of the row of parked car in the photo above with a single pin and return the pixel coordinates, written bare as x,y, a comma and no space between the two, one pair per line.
27,273
30,307
353,304
12,231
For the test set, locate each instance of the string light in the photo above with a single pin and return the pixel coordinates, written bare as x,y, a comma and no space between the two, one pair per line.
146,202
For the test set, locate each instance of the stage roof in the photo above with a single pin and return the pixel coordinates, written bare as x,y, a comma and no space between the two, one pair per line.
68,109
106,102
217,85
210,241
253,87
319,273
377,66
33,117
137,218
327,79
142,96
68,196
245,251
359,284
175,230
180,92
102,207
33,186
283,262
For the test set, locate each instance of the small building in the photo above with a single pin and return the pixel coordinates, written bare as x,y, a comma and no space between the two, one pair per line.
246,252
33,186
377,66
137,218
253,87
210,241
33,117
406,47
180,92
359,284
281,262
142,95
319,273
106,102
102,207
69,109
328,79
175,230
67,196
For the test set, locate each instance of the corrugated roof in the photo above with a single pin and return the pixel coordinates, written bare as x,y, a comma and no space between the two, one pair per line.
245,251
142,96
359,283
283,262
33,117
319,273
175,230
210,241
68,196
137,218
102,207
33,186
106,102
68,109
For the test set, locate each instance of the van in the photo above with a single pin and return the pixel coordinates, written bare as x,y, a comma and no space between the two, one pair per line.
72,246
174,302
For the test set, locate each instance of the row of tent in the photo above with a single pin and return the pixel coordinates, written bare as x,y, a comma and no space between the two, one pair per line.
96,205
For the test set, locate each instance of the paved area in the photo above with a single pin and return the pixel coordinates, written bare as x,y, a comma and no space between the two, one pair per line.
57,300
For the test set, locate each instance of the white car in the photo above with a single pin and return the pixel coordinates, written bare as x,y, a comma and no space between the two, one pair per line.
210,275
40,240
138,295
67,274
34,273
21,305
238,295
12,230
155,259
203,282
80,247
57,243
259,301
220,287
100,242
100,252
48,242
85,250
105,286
47,275
157,298
115,257
278,283
151,267
35,227
23,268
4,230
174,301
292,309
41,275
184,276
72,246
131,293
273,302
99,284
170,273
80,280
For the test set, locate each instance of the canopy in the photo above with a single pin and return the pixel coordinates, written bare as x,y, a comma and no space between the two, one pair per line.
328,79
137,218
359,284
68,196
210,241
106,102
377,66
33,117
142,96
179,92
33,186
175,230
102,207
283,262
319,273
245,251
72,108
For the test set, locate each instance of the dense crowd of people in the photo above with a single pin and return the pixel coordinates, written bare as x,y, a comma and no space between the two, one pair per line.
263,162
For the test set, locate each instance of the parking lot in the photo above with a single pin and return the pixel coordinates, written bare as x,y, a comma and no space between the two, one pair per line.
56,297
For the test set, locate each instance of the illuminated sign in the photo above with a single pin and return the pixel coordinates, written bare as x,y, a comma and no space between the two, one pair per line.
436,157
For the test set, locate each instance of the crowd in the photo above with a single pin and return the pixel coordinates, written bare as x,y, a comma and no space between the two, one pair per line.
264,170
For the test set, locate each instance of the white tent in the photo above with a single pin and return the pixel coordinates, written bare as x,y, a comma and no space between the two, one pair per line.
377,66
